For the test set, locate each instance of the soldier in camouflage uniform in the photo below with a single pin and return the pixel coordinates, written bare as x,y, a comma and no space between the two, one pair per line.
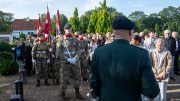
40,56
56,45
68,60
83,49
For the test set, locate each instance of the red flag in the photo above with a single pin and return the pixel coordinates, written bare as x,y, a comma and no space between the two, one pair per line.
48,26
58,23
39,26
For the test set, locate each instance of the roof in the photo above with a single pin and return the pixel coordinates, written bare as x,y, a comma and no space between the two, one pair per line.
24,24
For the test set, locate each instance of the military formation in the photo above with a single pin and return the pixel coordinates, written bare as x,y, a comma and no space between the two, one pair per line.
65,58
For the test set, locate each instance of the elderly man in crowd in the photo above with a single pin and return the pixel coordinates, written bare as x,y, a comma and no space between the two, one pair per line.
177,52
161,60
170,45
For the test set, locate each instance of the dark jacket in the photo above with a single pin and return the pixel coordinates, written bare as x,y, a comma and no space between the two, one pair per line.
121,72
19,53
170,44
28,56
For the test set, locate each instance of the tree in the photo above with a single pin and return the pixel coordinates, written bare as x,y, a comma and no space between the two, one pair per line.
112,12
84,22
92,23
64,20
137,15
74,21
22,36
5,21
103,24
158,30
43,17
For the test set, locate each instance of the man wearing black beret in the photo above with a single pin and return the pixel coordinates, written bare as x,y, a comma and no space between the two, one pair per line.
120,71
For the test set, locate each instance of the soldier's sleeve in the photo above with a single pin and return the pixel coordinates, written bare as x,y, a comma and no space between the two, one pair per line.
77,49
149,85
34,48
86,49
48,50
95,83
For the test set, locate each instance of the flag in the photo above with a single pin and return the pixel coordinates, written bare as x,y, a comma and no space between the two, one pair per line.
48,26
39,26
58,23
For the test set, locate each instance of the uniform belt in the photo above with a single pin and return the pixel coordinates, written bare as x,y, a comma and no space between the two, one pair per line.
39,52
69,53
82,50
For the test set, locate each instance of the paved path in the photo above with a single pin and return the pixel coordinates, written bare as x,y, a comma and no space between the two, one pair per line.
51,93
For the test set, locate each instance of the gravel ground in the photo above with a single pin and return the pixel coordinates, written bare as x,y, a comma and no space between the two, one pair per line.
51,93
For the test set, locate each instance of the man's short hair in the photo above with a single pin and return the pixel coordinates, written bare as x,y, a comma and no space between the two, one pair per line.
122,22
152,30
137,38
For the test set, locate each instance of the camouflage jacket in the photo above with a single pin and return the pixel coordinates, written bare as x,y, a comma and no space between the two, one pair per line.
40,51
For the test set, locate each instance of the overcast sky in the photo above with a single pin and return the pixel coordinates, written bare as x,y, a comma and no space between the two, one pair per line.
31,8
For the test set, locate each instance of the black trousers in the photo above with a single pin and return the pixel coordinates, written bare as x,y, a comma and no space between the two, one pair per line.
176,63
28,66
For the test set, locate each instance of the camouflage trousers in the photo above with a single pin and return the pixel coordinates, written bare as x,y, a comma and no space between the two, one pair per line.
85,69
67,72
41,69
56,68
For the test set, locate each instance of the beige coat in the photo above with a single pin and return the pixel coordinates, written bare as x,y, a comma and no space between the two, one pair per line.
166,63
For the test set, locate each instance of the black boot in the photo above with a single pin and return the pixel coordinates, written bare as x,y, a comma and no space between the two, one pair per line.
46,82
38,83
57,81
62,96
78,96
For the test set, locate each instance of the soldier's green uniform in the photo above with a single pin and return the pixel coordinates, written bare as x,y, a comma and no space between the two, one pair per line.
69,59
83,50
56,45
40,54
68,70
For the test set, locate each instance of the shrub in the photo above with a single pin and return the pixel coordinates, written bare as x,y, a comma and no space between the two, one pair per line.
6,56
8,67
4,46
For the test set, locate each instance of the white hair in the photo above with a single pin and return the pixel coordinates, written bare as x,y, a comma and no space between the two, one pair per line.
161,40
167,31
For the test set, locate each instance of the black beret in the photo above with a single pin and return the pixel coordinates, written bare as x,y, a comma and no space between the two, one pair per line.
67,26
122,22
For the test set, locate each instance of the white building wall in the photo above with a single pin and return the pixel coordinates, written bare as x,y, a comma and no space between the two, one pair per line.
16,33
6,36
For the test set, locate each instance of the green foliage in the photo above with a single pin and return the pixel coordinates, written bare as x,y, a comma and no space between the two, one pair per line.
6,55
84,22
74,20
4,46
158,30
92,23
8,67
103,24
21,35
137,16
5,21
64,20
43,17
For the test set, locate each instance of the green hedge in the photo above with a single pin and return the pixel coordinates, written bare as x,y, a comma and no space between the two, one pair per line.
6,56
8,67
4,46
